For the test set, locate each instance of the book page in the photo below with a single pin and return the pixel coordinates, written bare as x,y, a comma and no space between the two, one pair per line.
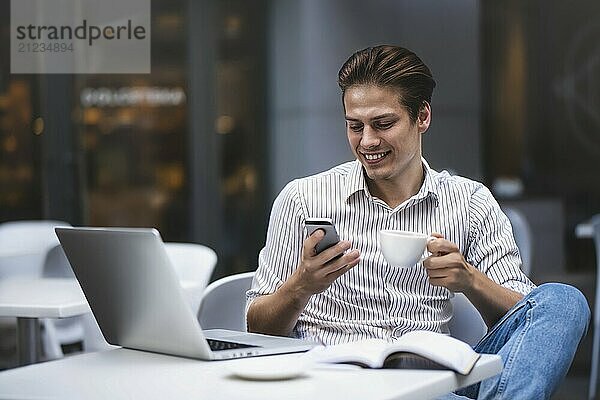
440,348
437,347
369,352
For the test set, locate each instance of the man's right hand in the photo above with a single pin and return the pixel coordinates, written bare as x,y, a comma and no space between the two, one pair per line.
316,272
277,313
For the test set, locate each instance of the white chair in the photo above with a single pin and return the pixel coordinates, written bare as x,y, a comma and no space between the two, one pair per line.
466,323
194,264
595,367
223,304
23,246
523,236
56,264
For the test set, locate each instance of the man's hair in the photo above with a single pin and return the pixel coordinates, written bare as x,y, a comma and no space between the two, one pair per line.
390,66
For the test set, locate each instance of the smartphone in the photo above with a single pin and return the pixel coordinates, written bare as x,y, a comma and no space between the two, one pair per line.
331,236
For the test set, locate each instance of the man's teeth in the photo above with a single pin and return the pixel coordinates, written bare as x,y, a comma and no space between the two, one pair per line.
374,156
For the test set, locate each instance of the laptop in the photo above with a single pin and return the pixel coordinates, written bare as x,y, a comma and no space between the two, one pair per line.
136,297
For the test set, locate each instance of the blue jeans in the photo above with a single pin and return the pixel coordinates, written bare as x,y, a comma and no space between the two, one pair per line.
537,340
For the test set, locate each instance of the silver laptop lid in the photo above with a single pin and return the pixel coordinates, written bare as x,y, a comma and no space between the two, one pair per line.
133,290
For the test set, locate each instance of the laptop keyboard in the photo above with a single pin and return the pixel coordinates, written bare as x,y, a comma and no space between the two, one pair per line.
216,345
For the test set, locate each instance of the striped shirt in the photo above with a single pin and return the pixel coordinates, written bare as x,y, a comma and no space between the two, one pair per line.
374,299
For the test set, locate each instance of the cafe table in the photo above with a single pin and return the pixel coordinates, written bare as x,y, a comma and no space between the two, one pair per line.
129,374
29,299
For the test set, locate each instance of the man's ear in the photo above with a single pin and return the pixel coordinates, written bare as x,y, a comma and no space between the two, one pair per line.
424,117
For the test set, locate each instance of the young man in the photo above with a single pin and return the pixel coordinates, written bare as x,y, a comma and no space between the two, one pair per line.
348,292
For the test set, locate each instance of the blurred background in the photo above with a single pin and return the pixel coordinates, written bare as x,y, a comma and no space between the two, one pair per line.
243,98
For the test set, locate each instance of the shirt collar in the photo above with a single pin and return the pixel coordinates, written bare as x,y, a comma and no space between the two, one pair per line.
356,182
430,183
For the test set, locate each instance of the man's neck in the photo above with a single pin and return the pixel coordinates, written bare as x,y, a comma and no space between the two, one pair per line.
396,192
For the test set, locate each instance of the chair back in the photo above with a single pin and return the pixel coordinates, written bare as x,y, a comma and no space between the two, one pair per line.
194,265
523,237
192,261
223,304
466,324
56,264
23,246
595,367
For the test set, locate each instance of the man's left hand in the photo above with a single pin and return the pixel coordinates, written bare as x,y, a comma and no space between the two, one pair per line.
447,267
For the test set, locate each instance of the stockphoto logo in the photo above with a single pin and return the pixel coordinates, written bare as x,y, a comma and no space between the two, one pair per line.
80,36
89,33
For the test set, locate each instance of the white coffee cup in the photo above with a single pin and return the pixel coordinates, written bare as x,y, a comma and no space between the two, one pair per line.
402,248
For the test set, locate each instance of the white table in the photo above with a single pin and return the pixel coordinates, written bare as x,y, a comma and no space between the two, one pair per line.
29,299
130,374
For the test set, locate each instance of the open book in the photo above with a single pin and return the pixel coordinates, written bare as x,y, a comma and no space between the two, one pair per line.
417,349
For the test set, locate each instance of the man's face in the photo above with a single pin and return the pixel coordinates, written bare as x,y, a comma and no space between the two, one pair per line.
381,134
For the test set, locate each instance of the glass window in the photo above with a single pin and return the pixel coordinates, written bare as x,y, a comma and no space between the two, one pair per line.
132,136
20,130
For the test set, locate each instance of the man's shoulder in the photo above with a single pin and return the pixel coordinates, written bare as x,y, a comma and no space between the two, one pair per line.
319,182
339,172
447,182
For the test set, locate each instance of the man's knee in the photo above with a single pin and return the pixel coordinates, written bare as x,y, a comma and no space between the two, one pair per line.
564,302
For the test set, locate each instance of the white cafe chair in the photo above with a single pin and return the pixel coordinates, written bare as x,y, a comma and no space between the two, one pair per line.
466,323
23,247
223,304
194,265
523,237
595,367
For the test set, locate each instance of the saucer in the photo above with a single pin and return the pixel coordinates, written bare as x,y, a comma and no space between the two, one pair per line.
268,369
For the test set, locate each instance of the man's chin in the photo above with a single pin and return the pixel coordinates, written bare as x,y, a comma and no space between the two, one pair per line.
373,174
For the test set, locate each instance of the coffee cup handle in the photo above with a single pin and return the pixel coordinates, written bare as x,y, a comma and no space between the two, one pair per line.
429,239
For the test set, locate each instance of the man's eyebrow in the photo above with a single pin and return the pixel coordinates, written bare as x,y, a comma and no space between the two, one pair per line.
382,116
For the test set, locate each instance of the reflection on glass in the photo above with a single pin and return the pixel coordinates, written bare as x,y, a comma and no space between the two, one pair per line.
132,131
19,169
131,137
241,132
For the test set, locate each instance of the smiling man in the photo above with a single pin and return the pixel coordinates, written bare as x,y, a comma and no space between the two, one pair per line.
349,292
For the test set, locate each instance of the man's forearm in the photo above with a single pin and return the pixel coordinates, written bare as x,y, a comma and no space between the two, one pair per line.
491,300
277,313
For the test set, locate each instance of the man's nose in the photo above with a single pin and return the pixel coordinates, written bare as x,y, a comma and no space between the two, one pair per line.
369,138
